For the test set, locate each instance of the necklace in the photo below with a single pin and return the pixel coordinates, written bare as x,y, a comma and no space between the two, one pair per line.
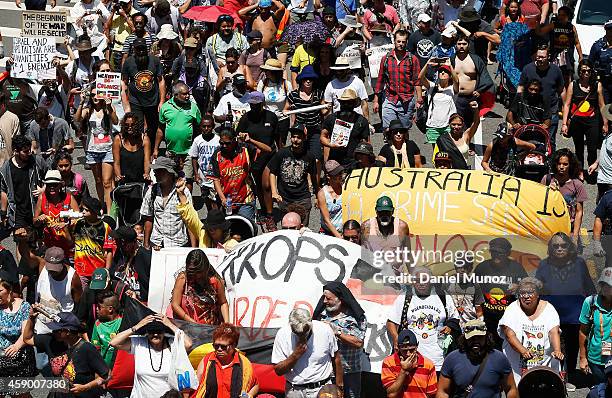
151,359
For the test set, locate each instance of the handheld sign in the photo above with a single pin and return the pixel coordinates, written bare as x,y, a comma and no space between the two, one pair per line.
376,54
44,23
108,85
33,57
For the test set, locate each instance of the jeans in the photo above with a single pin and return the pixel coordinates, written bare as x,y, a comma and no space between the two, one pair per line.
569,344
552,130
247,210
151,116
352,385
400,110
598,373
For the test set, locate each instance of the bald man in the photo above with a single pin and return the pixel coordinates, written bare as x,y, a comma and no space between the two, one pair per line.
292,220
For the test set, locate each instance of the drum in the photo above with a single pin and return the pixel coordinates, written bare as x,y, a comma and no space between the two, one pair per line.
541,381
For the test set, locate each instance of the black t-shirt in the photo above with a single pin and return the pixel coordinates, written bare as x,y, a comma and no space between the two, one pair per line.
84,362
23,200
138,279
143,84
8,263
360,132
262,127
422,45
18,101
292,172
412,150
551,79
526,112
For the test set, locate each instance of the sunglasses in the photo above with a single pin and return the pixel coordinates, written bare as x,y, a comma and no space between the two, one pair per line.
469,329
221,143
585,71
354,238
223,347
226,18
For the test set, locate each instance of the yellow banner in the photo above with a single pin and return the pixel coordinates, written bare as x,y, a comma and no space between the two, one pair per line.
461,207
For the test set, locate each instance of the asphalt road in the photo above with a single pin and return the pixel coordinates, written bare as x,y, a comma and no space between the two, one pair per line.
10,22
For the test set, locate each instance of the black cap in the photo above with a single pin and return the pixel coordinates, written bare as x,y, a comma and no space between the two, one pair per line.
254,34
124,233
298,127
501,244
65,320
329,10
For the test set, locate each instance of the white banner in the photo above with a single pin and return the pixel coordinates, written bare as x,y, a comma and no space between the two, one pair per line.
269,275
376,54
33,56
44,23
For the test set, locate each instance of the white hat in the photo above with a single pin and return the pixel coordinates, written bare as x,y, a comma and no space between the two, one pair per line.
341,64
167,32
449,32
54,177
423,18
606,276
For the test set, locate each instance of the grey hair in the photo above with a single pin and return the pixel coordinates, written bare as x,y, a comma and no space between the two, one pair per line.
300,320
176,89
531,281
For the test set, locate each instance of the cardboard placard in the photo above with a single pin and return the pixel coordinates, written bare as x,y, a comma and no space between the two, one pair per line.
375,56
353,54
108,85
33,57
44,23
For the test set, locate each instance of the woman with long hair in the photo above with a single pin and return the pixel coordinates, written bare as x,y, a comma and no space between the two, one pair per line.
149,341
131,151
324,60
199,292
98,116
457,142
329,200
276,88
565,178
73,182
581,113
530,329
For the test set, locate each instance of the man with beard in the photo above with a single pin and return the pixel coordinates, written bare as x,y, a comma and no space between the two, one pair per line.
289,170
474,78
232,106
398,78
140,23
343,130
551,77
266,21
179,118
529,108
143,89
498,296
225,38
476,367
479,32
407,373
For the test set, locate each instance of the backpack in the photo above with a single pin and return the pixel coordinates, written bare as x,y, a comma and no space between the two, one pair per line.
591,319
78,181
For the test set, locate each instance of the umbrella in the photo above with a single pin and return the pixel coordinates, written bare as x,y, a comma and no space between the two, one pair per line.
305,32
210,14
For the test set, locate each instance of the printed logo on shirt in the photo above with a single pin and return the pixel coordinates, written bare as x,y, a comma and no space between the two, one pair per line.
424,48
144,81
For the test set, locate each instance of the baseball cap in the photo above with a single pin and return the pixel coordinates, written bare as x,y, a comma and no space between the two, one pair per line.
66,320
423,18
449,32
384,203
475,327
99,279
446,68
255,34
265,3
239,79
54,259
297,128
333,168
606,276
408,337
255,97
608,24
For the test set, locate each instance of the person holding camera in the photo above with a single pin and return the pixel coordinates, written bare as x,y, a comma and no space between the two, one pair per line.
117,29
49,135
98,116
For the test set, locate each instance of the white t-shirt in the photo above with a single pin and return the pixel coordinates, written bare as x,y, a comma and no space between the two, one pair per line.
426,318
203,150
317,362
275,97
147,382
92,22
441,106
239,107
335,88
533,334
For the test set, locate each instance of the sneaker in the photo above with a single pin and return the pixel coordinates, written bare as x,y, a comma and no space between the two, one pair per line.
268,224
570,387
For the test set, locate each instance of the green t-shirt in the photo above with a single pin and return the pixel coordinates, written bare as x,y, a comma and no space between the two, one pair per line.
595,339
179,124
102,334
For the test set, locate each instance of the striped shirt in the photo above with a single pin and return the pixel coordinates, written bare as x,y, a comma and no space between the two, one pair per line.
420,383
398,78
310,118
127,45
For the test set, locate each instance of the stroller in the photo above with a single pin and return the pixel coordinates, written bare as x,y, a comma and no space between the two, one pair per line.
128,198
513,54
533,165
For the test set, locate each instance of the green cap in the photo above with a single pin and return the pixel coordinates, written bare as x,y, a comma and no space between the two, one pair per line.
99,279
384,203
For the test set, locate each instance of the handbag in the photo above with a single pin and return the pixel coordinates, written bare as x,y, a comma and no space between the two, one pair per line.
182,376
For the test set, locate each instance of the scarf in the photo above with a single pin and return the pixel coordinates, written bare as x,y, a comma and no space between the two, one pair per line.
346,297
405,163
208,386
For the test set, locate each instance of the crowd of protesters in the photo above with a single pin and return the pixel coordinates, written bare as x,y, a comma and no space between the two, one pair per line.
266,110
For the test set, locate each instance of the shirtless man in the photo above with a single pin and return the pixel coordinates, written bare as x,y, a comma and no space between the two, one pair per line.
474,79
387,233
266,21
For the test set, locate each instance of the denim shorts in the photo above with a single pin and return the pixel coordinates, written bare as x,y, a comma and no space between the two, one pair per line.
98,157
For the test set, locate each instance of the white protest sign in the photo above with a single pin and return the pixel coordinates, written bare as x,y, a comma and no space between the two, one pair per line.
33,56
376,54
353,54
108,85
44,23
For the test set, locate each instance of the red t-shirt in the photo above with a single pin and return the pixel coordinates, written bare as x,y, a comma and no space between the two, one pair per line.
235,5
531,10
233,174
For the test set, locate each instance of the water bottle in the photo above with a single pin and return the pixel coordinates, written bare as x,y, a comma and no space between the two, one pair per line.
228,205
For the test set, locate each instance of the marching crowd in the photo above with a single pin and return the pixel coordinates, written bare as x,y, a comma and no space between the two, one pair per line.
264,107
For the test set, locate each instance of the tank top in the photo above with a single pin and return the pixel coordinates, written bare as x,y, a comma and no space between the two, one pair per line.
334,207
55,295
132,164
562,37
254,62
464,150
580,108
53,237
99,138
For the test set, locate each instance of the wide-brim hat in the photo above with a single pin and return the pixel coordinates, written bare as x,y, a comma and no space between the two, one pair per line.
307,73
348,95
167,32
53,177
606,111
216,219
272,64
342,63
469,14
163,163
